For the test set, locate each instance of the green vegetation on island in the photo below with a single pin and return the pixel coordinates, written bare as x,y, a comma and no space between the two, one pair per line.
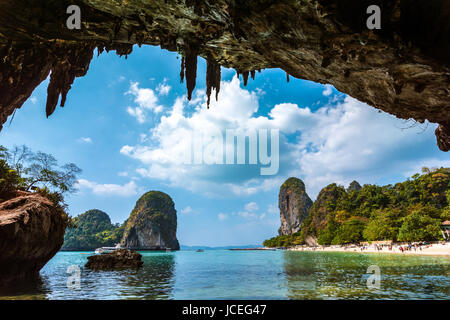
412,210
152,223
91,230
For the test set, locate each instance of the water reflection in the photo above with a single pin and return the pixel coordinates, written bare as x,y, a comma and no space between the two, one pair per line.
224,274
315,275
154,280
34,289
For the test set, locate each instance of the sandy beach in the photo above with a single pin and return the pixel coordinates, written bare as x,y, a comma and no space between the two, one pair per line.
435,249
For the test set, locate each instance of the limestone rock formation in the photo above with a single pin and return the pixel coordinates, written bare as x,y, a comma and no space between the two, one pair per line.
31,233
402,69
294,204
118,259
354,186
322,207
152,224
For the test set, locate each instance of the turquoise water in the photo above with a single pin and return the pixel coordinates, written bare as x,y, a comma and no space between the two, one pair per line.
246,275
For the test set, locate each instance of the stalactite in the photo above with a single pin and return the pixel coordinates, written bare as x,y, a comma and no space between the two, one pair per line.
182,70
74,64
22,69
252,73
191,52
213,77
245,77
287,77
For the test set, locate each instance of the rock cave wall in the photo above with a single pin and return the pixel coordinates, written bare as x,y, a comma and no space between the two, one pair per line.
402,69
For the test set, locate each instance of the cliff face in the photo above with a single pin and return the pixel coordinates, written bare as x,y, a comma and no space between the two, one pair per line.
31,233
294,204
152,223
402,69
322,207
354,186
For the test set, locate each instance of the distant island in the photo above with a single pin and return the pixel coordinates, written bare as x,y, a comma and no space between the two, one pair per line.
91,230
413,210
152,225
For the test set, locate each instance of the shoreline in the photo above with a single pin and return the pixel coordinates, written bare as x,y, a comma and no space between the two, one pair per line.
441,250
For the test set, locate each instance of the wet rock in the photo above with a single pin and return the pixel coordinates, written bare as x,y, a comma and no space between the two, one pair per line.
31,233
118,259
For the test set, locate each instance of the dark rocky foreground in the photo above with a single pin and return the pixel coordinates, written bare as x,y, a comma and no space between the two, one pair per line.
402,69
31,233
119,259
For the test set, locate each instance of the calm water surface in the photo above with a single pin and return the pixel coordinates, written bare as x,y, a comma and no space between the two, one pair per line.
246,275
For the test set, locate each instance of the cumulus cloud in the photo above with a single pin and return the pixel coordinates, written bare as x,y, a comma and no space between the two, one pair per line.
85,140
251,206
222,216
338,142
328,90
163,89
186,210
146,100
129,189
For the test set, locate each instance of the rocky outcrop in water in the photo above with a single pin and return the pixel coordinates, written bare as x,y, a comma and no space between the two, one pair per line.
119,259
152,224
402,68
294,204
31,233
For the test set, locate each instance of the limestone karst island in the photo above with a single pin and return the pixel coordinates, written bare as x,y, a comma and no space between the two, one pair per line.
252,150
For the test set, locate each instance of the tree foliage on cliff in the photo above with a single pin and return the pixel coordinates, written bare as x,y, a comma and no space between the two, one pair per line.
23,170
91,230
408,211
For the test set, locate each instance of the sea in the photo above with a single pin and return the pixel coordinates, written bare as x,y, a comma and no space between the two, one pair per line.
225,274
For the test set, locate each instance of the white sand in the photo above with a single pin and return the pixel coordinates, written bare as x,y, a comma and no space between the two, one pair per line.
436,249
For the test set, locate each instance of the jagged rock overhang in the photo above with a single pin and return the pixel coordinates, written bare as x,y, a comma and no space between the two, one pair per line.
402,69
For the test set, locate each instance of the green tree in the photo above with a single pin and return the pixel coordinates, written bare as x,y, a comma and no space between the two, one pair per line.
419,227
349,232
380,227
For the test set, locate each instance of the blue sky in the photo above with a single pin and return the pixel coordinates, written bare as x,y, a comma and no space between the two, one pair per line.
124,123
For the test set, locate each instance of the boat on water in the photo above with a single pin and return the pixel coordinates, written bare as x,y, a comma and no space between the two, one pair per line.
107,249
199,250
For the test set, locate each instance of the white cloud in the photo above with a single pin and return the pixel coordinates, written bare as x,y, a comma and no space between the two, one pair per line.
138,113
163,89
123,174
251,206
85,140
222,216
145,99
328,90
33,100
186,210
129,189
247,215
339,142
